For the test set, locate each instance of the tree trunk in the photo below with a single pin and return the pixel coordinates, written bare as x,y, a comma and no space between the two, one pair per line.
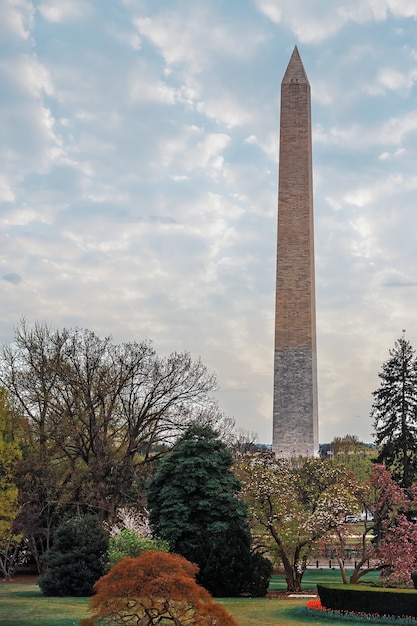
293,575
342,569
293,571
358,572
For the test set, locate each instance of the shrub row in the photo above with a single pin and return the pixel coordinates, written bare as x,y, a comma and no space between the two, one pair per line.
360,599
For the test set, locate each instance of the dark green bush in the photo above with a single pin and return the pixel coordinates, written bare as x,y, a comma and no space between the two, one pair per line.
361,599
259,576
193,504
77,557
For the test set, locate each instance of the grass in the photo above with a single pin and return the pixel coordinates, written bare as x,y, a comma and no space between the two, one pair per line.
313,577
259,612
21,604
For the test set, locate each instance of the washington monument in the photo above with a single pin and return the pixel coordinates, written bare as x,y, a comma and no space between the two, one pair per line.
295,419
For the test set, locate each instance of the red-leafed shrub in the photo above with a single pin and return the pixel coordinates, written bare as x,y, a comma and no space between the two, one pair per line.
144,590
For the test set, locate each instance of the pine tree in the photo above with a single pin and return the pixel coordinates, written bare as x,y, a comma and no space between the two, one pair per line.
193,504
394,411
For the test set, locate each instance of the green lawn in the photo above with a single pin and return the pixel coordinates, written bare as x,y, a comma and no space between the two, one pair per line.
21,604
313,577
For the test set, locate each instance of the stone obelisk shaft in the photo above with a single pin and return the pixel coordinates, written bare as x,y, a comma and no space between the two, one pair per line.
295,419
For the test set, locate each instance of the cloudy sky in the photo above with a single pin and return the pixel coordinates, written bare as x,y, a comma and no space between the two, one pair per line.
138,182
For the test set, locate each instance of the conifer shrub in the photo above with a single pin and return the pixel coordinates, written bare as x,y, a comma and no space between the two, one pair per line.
193,504
76,559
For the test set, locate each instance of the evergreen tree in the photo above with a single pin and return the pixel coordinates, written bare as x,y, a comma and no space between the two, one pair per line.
77,557
193,504
395,414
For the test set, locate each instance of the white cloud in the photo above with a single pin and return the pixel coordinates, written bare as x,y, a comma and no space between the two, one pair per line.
145,88
317,20
16,18
392,80
225,111
125,37
63,10
193,150
207,153
392,131
401,8
31,75
139,182
397,129
270,9
392,155
193,37
6,193
173,36
307,22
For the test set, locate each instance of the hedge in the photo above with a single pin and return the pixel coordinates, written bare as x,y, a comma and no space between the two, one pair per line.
371,600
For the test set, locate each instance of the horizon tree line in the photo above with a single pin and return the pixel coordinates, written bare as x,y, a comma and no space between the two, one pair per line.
86,419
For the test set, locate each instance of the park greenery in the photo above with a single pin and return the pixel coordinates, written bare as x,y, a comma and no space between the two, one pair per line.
22,604
109,453
194,506
92,416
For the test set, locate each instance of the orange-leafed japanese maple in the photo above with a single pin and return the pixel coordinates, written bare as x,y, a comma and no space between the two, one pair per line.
152,587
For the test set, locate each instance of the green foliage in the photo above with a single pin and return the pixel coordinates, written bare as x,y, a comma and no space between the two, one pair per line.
260,575
77,558
359,464
127,543
193,504
95,411
394,411
10,454
355,455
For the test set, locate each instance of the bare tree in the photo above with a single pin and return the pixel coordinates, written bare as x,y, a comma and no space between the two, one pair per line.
99,410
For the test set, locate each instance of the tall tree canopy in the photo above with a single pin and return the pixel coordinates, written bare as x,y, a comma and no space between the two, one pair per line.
193,504
394,411
96,410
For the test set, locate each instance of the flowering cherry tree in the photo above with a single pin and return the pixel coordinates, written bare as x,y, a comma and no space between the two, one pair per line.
293,504
398,550
387,539
132,519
